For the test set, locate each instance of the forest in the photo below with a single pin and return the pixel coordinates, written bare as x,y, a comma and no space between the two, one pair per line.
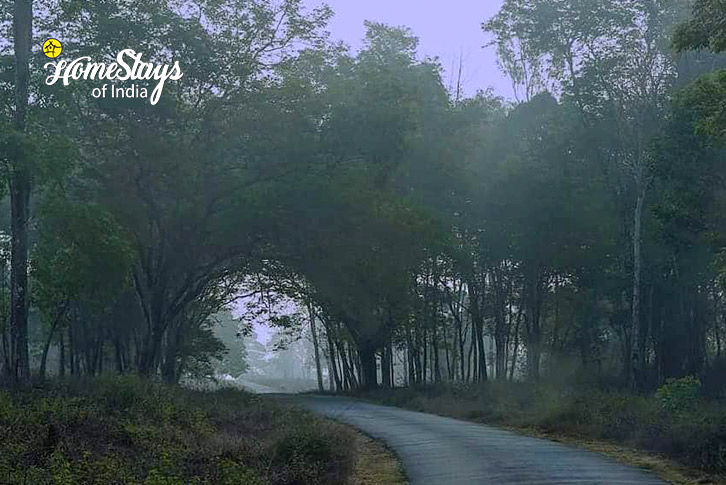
480,249
423,236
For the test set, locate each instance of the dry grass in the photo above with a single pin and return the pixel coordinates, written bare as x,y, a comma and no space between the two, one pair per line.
376,464
658,464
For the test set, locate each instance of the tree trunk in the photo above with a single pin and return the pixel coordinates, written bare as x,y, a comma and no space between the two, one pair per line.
20,198
61,356
331,382
477,320
369,374
71,350
460,332
119,355
333,362
533,324
515,347
634,376
316,348
499,327
46,348
386,367
392,361
435,352
348,378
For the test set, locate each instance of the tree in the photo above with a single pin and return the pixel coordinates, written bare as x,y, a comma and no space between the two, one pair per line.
227,330
616,65
18,154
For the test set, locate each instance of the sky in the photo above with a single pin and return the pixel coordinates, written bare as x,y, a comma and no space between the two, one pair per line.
447,29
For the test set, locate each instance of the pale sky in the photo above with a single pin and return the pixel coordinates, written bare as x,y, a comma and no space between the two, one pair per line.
447,29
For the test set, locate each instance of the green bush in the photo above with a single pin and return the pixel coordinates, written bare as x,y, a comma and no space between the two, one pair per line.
680,395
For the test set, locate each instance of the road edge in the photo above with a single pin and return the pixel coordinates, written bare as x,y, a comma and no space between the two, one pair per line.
376,463
663,467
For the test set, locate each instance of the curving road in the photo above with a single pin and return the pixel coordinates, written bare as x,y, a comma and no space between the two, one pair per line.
445,451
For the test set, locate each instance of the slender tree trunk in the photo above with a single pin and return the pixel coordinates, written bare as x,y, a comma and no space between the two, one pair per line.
7,355
460,332
449,368
316,348
410,367
392,353
20,197
333,362
425,348
99,356
386,367
634,376
355,365
435,352
515,347
499,326
46,348
478,324
331,381
472,343
71,350
533,325
61,355
407,374
119,356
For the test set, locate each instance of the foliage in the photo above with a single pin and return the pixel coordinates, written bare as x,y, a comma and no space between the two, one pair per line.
705,30
680,395
227,330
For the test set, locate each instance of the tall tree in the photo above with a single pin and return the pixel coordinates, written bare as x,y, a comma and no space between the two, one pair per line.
19,179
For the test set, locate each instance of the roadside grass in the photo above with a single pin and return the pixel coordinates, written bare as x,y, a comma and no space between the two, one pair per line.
124,430
376,464
683,441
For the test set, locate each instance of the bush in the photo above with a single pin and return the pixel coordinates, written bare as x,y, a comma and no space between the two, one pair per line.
680,395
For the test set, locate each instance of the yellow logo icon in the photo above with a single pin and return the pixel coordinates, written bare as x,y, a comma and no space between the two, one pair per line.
52,48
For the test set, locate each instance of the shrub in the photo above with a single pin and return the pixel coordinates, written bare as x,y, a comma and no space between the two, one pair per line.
680,395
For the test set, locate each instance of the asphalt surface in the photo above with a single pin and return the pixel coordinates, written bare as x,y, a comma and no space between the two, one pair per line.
445,451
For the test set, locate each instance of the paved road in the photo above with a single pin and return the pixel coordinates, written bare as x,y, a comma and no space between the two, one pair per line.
445,451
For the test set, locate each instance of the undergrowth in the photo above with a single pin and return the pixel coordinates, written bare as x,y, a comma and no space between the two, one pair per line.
116,430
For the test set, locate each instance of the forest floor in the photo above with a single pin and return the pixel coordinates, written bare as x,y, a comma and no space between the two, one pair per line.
115,430
682,446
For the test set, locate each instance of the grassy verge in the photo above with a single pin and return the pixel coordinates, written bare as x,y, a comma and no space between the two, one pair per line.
128,431
684,443
375,464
